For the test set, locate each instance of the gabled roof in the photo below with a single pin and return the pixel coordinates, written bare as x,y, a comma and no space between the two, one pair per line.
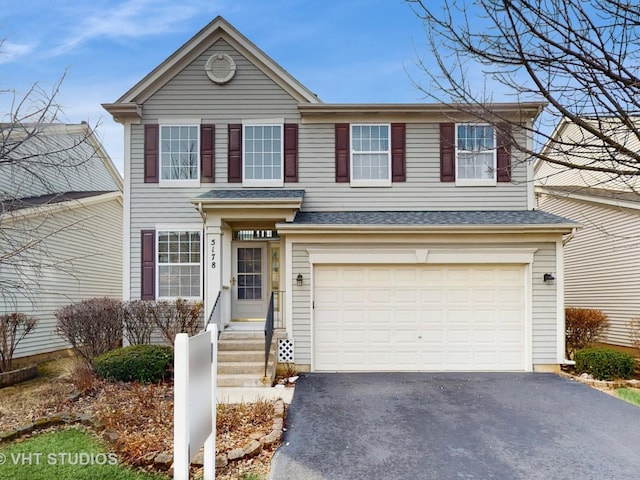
604,196
572,143
50,199
46,159
128,104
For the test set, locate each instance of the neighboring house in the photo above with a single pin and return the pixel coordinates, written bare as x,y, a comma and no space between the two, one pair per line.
393,246
602,260
61,226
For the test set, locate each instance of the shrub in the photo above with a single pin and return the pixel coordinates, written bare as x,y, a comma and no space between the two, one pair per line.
584,327
136,363
604,364
137,322
92,327
634,331
180,316
13,328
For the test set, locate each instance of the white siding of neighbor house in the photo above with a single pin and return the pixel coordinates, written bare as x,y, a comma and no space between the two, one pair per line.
76,167
544,327
88,243
252,94
602,261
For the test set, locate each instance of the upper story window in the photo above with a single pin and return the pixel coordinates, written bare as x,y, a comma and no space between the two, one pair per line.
263,155
179,153
179,254
475,154
370,155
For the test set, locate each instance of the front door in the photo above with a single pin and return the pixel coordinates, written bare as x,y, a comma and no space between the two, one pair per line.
250,281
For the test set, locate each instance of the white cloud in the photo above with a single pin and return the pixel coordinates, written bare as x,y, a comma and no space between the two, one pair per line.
10,51
130,19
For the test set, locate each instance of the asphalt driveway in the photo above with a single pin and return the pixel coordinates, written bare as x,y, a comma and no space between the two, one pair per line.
455,426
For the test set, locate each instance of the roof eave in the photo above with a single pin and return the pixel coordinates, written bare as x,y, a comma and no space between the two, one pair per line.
291,228
129,112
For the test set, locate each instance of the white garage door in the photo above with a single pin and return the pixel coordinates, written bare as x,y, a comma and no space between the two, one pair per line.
418,318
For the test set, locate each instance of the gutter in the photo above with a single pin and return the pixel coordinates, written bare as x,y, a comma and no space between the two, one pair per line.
571,235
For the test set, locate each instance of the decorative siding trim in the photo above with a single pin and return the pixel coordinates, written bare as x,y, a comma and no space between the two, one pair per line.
151,153
291,152
235,153
447,152
148,264
503,152
207,153
342,152
398,141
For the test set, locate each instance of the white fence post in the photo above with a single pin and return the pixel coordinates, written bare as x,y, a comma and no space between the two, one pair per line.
194,418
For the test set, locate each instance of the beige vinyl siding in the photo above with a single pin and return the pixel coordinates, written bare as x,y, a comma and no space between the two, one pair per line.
88,246
602,261
582,149
544,326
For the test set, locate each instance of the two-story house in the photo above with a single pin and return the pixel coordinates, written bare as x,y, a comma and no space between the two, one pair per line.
60,226
399,237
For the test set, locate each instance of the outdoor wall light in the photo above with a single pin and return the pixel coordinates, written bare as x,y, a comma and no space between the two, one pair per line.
549,279
299,280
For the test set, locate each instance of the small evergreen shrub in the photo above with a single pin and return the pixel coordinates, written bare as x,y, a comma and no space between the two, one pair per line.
584,327
604,363
136,363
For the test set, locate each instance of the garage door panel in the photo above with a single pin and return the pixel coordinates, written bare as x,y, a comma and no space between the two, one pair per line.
411,318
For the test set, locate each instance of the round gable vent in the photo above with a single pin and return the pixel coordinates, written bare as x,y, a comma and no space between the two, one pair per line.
220,68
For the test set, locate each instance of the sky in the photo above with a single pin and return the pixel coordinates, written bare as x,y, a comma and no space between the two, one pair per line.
345,51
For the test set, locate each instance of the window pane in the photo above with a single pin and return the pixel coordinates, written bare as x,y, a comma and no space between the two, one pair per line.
263,151
476,152
370,152
179,156
179,264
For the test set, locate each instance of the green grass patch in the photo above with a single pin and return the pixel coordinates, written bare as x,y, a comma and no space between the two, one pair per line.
70,454
631,395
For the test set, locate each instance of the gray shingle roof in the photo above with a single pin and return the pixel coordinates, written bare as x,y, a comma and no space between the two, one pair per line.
525,217
250,193
20,203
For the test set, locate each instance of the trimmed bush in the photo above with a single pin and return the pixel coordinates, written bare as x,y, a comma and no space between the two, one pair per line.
137,322
584,327
92,327
604,363
13,328
179,316
136,363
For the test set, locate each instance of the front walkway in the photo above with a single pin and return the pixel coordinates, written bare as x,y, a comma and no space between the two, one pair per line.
450,426
251,394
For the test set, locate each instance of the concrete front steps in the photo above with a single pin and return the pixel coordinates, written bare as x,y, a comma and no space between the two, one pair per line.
241,359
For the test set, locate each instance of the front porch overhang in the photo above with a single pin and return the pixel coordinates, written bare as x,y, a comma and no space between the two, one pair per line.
250,205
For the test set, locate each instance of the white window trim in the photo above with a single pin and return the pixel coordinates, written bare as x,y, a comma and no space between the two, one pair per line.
275,182
477,182
167,182
177,228
368,182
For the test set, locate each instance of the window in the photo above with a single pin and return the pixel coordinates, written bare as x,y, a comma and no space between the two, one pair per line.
179,268
475,153
262,155
179,152
370,155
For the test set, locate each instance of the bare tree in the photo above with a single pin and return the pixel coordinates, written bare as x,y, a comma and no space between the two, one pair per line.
39,168
581,58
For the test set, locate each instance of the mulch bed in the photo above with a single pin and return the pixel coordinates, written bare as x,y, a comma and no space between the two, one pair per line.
138,419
